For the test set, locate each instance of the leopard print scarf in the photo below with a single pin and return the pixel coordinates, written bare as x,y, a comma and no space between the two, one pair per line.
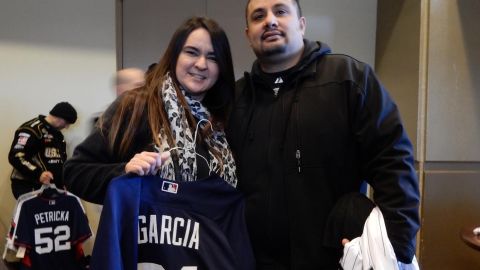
184,139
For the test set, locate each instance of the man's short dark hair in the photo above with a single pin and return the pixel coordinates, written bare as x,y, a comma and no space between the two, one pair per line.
297,2
65,111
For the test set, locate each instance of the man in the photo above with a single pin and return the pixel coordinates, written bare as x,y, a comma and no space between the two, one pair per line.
125,80
38,150
307,128
128,79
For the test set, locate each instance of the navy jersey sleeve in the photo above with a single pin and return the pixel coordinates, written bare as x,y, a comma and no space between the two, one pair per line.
115,243
22,235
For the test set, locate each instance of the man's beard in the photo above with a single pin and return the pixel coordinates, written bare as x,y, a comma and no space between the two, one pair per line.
272,51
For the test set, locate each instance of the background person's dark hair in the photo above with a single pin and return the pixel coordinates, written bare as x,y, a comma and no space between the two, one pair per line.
216,100
150,68
297,4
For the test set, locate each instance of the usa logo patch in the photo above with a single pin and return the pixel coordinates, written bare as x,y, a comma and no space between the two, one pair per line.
170,187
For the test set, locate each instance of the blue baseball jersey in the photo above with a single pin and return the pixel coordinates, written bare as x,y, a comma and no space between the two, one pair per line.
152,223
50,228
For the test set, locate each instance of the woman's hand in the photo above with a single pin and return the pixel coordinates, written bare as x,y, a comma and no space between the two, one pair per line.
146,163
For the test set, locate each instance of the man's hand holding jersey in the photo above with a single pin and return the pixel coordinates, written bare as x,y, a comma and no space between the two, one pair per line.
46,177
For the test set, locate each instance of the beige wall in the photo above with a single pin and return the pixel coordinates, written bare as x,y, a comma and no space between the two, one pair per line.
452,132
52,51
347,26
428,54
397,56
453,124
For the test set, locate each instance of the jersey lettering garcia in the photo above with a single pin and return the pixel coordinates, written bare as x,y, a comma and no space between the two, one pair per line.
173,231
152,223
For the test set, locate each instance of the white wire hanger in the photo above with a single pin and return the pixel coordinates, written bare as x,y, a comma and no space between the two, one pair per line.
50,190
49,185
192,146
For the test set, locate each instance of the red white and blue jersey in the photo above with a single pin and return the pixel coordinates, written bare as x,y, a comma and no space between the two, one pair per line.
152,223
51,229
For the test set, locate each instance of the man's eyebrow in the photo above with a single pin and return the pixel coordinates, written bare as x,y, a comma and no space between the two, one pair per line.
259,9
262,9
280,5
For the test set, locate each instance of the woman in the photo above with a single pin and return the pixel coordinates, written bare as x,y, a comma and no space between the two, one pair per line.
193,81
151,222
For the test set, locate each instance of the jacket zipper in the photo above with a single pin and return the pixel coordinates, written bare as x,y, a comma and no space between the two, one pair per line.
298,154
299,161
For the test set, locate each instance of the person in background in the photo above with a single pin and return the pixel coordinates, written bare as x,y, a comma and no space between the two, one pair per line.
150,68
128,79
193,81
125,79
307,127
38,150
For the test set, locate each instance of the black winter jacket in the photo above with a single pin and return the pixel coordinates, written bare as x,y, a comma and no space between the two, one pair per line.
93,165
331,127
37,147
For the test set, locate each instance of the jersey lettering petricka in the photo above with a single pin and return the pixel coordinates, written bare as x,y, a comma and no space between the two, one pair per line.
51,230
152,223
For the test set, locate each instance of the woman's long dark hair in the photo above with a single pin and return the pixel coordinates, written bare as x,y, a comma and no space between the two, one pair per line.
129,114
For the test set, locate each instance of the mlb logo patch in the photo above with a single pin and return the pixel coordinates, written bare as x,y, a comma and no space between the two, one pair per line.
170,187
